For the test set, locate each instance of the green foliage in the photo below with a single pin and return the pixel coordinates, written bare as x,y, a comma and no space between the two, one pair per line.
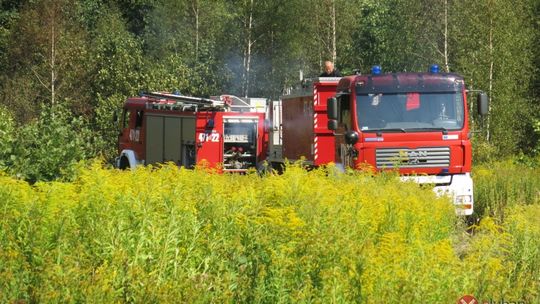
49,147
46,59
174,235
8,14
7,137
117,58
483,151
106,136
536,128
185,43
495,54
502,184
170,74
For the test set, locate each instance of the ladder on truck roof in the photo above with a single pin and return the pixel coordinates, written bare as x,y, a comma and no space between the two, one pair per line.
167,101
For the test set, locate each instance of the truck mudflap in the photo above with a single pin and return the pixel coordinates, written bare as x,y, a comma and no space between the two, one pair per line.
458,186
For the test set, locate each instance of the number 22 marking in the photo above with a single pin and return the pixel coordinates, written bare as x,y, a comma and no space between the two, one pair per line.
212,137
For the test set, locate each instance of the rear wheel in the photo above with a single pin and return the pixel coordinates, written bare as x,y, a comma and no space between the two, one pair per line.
264,168
278,167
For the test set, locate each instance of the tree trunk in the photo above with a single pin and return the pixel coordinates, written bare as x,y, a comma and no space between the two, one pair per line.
491,59
53,53
334,50
247,51
51,22
471,106
196,11
53,74
446,66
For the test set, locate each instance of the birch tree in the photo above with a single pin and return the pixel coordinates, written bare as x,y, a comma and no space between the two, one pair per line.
46,59
495,48
190,33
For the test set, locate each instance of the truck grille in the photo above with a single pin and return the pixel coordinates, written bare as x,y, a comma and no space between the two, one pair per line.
413,158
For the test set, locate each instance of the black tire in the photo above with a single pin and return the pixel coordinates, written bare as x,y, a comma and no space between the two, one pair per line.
264,168
124,163
278,167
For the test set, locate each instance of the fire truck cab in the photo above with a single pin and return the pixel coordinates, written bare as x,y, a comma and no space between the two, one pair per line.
416,123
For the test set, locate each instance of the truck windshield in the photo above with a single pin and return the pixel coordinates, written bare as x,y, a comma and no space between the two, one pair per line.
410,111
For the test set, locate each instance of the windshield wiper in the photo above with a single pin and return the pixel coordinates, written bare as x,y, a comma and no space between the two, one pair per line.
443,130
402,130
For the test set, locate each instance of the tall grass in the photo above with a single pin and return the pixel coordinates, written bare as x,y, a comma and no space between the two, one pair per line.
503,184
162,235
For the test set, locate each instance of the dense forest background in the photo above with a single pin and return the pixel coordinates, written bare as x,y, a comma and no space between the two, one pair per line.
66,66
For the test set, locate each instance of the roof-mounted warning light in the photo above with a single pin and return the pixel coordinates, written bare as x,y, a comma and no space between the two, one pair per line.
376,70
434,68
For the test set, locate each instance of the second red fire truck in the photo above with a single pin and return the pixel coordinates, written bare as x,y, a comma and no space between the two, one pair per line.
228,133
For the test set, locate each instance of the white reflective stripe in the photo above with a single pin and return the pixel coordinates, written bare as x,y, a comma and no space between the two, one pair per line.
316,149
315,123
233,118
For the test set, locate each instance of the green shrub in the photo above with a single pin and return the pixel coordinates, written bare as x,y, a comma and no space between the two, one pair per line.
7,137
50,147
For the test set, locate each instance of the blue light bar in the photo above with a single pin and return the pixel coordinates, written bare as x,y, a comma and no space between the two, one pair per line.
376,70
434,68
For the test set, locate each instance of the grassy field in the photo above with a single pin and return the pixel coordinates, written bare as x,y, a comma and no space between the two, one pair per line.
500,185
173,235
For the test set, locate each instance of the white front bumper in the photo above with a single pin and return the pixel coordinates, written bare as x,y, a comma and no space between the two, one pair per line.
457,186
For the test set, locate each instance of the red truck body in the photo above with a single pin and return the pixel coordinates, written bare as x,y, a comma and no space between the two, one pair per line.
301,123
155,130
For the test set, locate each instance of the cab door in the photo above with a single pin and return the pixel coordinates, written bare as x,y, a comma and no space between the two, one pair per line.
123,135
131,135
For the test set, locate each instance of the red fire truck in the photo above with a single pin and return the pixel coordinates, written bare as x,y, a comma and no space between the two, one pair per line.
227,132
416,123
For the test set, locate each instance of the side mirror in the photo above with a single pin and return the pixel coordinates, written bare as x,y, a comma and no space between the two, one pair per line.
332,110
332,124
482,102
351,137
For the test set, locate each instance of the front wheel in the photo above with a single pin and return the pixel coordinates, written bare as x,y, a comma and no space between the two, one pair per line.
124,163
